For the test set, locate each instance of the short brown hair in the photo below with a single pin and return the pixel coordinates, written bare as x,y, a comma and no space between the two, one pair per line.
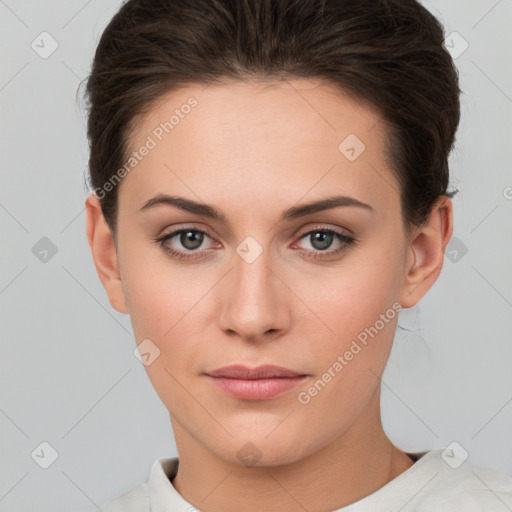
389,53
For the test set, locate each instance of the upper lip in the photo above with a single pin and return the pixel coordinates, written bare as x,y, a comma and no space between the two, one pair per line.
260,372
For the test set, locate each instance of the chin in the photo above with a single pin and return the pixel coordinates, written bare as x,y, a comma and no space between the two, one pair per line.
255,449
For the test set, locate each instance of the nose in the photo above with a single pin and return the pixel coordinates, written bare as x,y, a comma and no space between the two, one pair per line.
255,301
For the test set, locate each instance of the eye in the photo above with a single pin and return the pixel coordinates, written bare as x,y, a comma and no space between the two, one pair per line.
190,239
321,239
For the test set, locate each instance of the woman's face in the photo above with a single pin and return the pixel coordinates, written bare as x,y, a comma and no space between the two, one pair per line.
264,281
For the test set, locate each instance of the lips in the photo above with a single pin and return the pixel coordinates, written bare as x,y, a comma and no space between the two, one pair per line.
260,383
260,372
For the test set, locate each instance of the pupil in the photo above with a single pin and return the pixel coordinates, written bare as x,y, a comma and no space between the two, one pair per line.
324,239
191,239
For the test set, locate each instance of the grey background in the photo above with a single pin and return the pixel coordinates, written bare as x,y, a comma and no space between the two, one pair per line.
68,375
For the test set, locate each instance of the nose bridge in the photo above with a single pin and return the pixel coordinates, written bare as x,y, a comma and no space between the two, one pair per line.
253,303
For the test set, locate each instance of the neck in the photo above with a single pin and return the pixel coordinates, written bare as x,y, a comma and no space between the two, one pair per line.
354,465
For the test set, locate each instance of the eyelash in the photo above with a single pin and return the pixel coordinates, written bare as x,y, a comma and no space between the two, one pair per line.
345,239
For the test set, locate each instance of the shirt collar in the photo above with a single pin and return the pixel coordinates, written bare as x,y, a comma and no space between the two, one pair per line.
163,497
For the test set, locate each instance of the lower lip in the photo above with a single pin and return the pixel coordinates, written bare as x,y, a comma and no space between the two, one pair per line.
256,389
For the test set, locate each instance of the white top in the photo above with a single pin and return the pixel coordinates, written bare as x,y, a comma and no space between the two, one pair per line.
434,483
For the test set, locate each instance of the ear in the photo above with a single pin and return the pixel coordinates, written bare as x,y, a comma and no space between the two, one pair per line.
427,252
104,253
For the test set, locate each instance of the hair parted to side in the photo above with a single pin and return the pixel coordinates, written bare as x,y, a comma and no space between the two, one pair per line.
388,53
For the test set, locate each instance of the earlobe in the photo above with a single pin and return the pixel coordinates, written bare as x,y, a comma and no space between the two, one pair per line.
104,253
427,252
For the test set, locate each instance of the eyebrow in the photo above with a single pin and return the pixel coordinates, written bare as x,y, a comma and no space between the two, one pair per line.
292,213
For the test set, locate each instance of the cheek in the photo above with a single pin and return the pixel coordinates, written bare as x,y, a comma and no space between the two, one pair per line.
168,306
359,305
362,310
152,310
359,292
162,310
159,292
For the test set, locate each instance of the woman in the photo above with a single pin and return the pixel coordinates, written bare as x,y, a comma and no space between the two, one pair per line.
270,189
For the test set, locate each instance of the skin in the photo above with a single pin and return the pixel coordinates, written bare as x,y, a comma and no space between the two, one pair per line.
253,150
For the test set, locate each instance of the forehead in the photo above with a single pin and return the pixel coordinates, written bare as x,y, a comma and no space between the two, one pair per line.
250,140
299,109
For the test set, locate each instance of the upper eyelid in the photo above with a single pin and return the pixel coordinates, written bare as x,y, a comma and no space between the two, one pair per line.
179,230
315,227
322,227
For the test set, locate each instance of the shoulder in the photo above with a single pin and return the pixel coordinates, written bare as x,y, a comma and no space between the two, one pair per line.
450,484
440,481
158,489
134,500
